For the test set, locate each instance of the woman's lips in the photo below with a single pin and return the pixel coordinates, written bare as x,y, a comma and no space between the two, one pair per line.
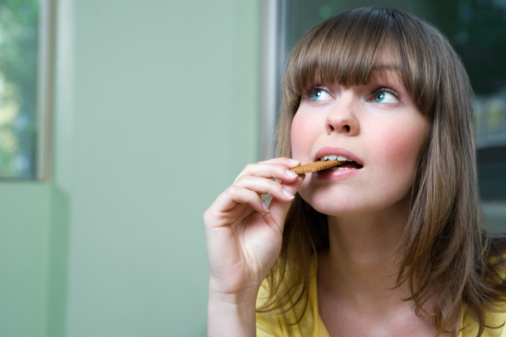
353,164
349,159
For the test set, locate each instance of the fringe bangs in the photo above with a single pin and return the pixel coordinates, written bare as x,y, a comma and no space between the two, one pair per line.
328,53
348,48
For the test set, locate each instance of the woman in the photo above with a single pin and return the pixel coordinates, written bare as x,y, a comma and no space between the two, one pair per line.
389,244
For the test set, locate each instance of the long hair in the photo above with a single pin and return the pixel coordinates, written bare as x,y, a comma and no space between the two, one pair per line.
446,256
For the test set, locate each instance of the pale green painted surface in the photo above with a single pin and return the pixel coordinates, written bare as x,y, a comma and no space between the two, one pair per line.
113,245
23,243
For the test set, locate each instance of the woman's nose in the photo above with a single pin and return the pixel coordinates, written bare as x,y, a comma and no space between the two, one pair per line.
343,117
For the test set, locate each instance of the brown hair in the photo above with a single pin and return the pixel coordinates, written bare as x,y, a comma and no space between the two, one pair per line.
446,254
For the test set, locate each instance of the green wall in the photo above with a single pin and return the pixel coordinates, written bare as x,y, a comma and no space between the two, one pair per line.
23,259
113,244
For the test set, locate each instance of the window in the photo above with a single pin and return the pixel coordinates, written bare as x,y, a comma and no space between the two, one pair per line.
25,83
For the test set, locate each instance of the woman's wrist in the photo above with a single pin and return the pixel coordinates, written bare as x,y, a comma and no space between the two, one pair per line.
244,297
231,314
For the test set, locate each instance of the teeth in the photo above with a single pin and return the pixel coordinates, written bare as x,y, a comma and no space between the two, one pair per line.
334,157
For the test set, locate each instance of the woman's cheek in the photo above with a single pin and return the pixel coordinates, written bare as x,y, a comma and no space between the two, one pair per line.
302,134
402,146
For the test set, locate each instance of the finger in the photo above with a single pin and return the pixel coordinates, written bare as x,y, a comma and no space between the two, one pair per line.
266,186
278,170
230,199
278,209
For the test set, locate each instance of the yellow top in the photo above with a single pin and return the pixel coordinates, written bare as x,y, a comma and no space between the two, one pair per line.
279,325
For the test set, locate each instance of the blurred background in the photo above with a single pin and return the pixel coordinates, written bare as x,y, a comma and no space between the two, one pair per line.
121,121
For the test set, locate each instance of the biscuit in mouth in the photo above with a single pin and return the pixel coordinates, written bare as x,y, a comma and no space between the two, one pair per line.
317,166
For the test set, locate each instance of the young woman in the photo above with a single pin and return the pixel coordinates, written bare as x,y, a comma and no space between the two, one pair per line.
389,244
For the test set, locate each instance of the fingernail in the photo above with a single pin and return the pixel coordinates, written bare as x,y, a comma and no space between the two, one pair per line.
288,194
293,162
266,209
291,174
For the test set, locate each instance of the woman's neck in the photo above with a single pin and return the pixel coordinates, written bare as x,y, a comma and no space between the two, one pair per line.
361,265
358,292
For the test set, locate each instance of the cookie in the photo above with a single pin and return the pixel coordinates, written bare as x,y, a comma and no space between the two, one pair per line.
316,166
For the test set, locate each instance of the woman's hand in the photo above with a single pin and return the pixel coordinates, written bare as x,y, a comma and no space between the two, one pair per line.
244,237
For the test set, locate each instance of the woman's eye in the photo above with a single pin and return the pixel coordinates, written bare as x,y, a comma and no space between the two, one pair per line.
383,96
319,95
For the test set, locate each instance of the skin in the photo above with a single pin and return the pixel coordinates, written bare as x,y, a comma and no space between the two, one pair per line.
379,125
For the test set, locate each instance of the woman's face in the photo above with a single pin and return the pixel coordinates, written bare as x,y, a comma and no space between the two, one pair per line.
376,126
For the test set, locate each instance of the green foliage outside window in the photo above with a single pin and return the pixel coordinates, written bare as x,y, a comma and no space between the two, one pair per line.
19,26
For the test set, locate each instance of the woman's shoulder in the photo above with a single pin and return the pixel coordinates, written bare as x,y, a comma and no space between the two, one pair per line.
495,320
297,318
